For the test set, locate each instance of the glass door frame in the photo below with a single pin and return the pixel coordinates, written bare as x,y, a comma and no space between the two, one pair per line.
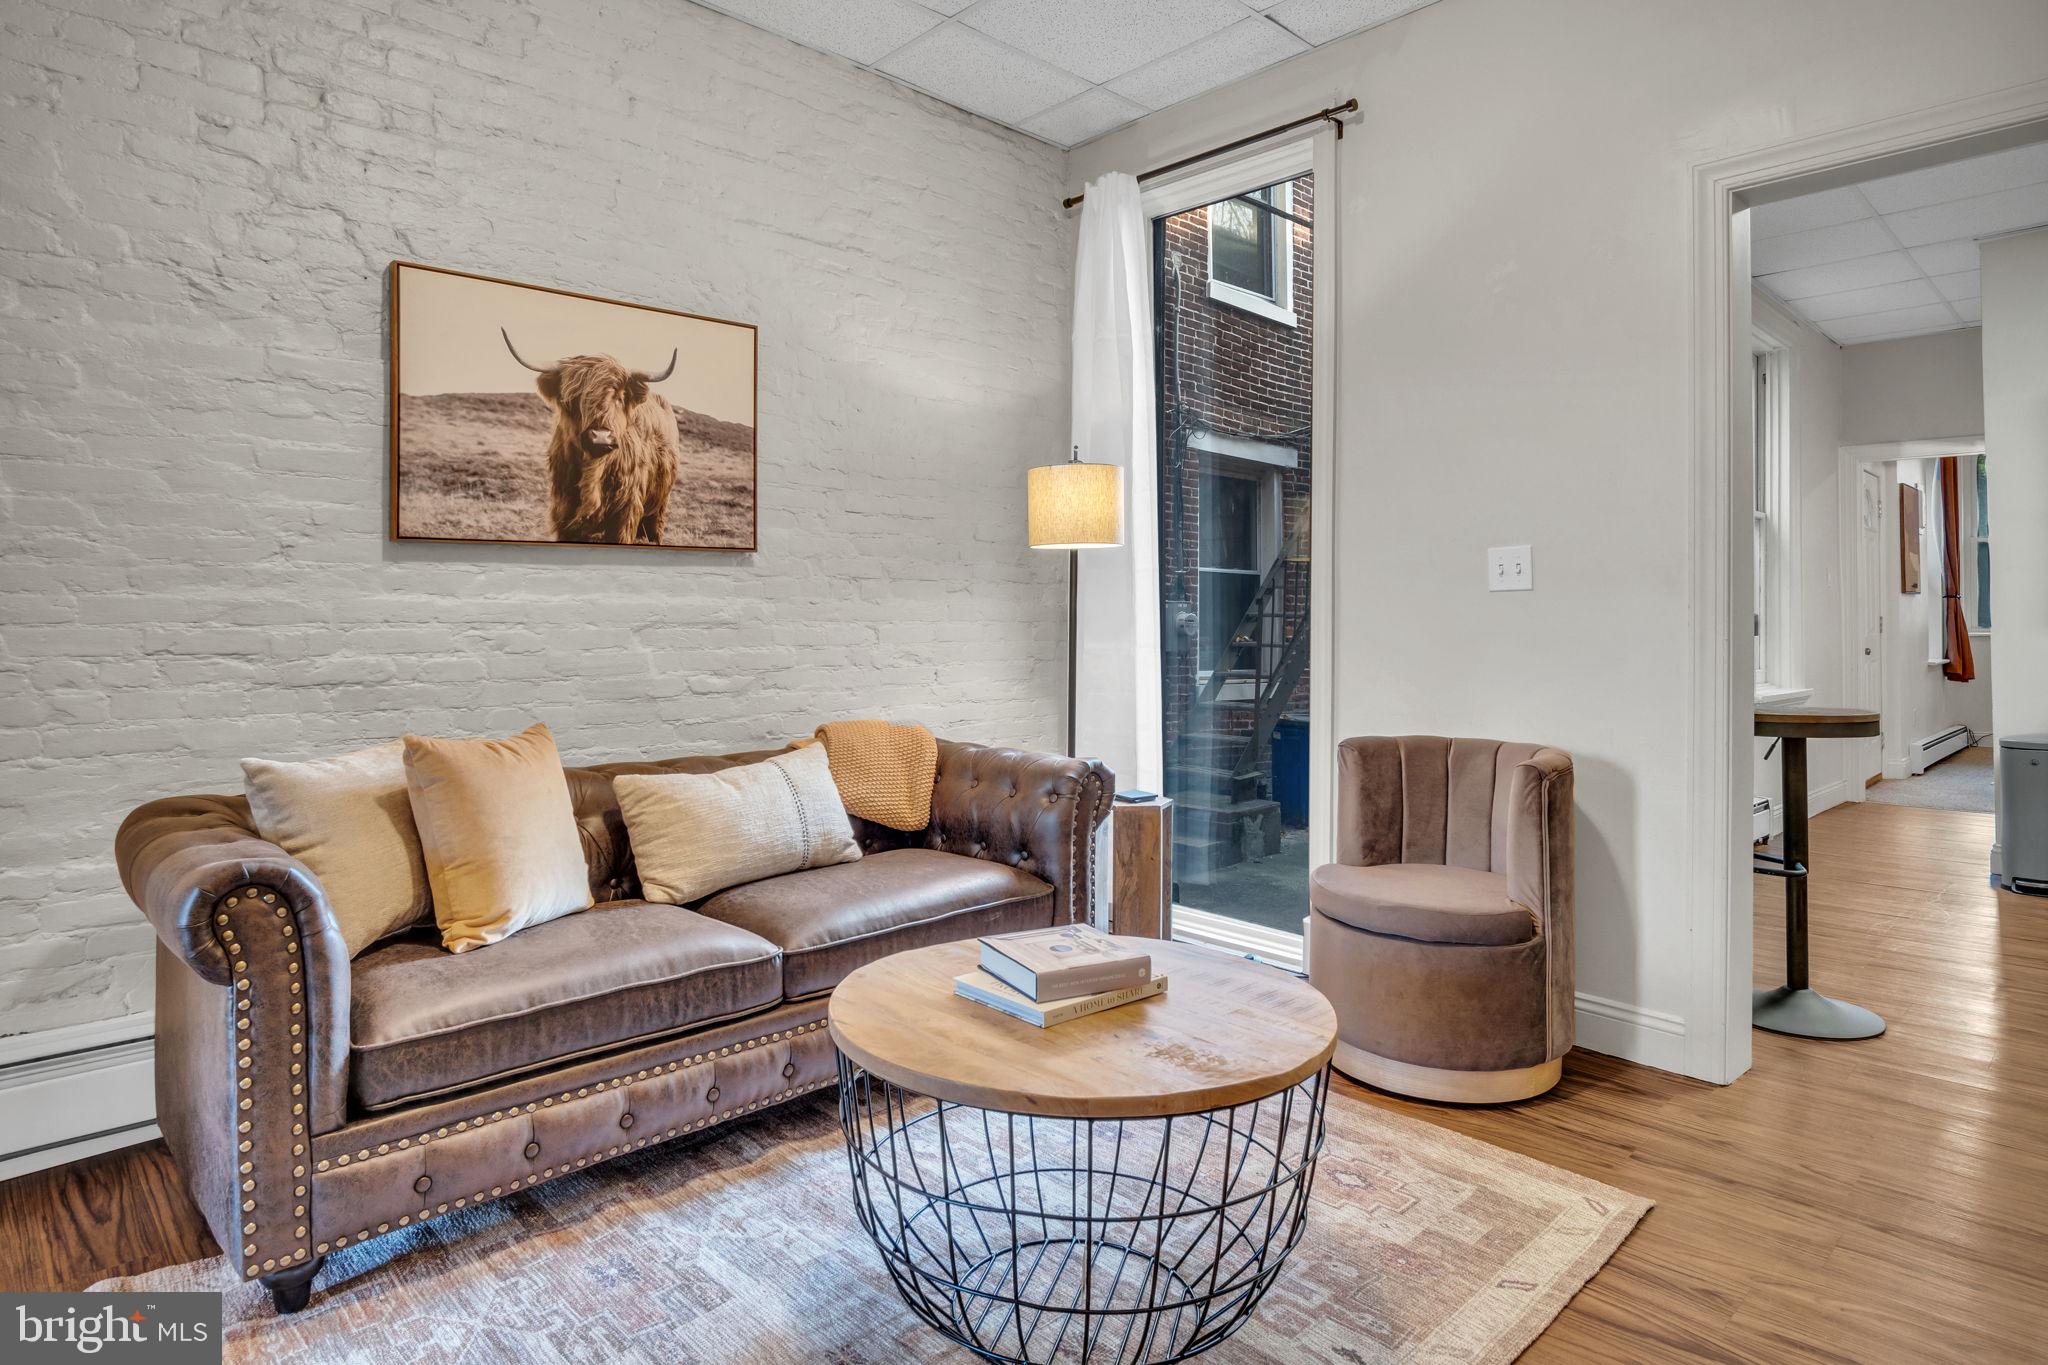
1317,156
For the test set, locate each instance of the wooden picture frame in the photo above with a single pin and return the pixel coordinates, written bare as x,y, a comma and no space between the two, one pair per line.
1909,538
522,414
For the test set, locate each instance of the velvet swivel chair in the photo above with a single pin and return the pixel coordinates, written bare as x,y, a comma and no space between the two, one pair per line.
1443,932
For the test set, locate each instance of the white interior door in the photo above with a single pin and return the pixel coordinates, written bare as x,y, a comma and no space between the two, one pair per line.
1870,604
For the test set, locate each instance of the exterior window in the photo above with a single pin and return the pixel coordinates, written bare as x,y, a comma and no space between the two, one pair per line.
1982,615
1251,253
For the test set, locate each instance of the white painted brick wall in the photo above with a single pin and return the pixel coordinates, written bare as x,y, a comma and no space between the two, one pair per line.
200,198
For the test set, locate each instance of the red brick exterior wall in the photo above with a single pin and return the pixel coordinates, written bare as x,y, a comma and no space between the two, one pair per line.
1235,373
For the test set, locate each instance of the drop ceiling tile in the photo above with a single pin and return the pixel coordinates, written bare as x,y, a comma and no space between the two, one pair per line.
1966,179
1319,21
979,74
1796,250
1837,277
1089,114
2005,211
1969,310
862,31
1882,299
1099,40
946,6
1934,317
1807,211
1961,285
1261,4
1946,258
1218,59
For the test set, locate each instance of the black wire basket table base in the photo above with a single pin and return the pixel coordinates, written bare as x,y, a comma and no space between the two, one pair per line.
1094,1241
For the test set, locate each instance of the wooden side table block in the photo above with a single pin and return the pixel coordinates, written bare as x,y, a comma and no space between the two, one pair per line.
1141,886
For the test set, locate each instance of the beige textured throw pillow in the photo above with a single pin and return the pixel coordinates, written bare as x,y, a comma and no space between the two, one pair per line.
349,820
696,833
499,833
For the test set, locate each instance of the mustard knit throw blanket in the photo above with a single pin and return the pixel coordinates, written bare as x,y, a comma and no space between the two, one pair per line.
884,772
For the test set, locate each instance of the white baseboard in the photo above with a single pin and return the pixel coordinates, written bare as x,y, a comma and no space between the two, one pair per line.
1770,825
1631,1032
73,1092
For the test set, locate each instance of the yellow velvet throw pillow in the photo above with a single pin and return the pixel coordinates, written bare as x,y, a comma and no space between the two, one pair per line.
499,834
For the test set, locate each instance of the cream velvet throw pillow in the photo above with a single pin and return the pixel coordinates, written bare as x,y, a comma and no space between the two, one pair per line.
696,833
349,820
499,834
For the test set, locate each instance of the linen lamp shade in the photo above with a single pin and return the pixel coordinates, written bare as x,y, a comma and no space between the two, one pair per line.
1075,505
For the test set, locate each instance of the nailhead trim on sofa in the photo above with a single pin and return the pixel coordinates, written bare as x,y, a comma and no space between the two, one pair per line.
594,1156
289,1022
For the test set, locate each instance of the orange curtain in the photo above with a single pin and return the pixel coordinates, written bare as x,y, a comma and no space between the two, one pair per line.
1955,627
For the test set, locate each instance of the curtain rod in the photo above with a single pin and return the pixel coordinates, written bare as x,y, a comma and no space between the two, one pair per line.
1328,115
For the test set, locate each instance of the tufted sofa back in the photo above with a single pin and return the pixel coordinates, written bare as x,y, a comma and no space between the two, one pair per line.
1427,799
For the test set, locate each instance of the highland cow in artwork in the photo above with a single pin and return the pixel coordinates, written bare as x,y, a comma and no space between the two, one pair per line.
517,415
612,453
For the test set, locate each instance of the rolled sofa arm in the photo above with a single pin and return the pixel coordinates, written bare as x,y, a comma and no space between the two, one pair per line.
1036,812
178,857
247,917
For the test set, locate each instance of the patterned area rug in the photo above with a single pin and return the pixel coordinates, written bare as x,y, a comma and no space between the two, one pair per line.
1422,1245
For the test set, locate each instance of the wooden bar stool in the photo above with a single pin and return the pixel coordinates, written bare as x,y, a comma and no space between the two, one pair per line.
1795,1007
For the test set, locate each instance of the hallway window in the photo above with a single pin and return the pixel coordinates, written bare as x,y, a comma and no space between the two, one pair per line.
1770,631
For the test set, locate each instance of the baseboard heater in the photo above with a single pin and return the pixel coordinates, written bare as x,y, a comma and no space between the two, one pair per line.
1935,748
1760,820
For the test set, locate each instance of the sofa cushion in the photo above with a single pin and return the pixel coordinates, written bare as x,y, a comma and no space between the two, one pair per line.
499,834
829,920
427,1022
1423,901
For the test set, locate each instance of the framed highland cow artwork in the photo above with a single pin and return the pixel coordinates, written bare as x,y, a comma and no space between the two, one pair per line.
528,415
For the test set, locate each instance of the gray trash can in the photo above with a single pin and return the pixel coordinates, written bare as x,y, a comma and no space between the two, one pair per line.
2023,813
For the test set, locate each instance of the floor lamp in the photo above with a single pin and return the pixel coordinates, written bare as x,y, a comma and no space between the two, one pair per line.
1074,506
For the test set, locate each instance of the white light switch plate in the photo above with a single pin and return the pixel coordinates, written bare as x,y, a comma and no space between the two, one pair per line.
1509,569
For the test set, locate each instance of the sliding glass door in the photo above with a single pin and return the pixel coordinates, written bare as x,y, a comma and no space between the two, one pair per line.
1233,308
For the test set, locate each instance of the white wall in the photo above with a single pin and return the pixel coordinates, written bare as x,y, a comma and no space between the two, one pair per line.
1513,334
2015,276
1915,388
200,202
1812,375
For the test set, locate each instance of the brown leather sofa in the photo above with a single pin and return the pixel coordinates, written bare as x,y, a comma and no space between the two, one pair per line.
1443,932
313,1102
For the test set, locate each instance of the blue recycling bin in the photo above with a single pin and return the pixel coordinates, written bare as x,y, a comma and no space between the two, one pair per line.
1290,770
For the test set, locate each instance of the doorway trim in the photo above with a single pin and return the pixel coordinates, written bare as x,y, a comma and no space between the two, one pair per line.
1316,155
1719,905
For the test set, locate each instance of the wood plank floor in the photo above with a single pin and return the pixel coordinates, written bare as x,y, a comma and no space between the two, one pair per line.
1884,1200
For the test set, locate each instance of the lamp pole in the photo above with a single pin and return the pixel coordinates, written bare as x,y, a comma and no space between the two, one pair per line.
1071,507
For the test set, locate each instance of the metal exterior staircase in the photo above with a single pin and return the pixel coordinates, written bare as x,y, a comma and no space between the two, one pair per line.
1221,776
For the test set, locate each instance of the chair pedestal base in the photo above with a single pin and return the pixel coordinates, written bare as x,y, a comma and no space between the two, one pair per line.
1446,1087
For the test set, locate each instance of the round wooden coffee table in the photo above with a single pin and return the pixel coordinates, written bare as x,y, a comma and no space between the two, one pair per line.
1118,1188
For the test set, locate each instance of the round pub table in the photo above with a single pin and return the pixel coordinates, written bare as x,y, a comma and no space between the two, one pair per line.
1117,1189
1795,1007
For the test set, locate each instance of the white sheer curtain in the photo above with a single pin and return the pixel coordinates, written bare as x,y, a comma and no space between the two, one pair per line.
1117,650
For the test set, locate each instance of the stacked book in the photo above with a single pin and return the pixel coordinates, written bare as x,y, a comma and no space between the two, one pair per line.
1048,976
